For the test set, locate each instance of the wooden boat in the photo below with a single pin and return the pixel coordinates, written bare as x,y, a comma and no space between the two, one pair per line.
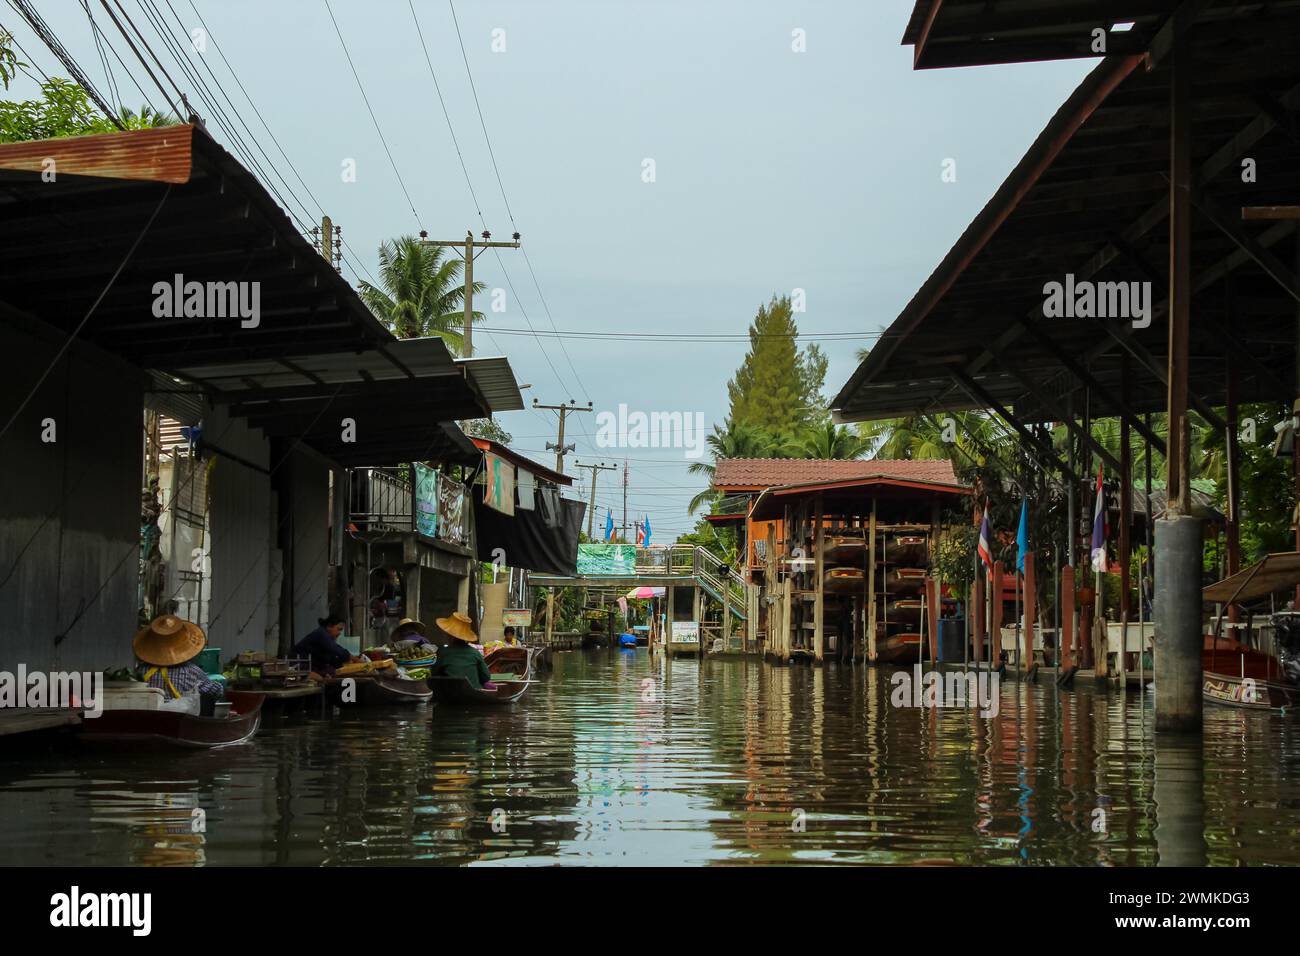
843,580
1232,673
170,728
1239,676
459,691
904,582
378,689
514,661
904,611
904,648
845,549
906,549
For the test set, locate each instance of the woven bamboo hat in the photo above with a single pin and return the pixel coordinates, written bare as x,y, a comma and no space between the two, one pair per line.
458,626
168,641
411,624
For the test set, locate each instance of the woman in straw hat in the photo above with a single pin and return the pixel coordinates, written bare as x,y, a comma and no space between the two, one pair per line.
460,658
166,649
409,630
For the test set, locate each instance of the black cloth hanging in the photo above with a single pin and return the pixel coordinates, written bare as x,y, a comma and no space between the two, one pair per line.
544,540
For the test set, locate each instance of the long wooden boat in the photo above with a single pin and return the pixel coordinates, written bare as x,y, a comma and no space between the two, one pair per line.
1232,673
906,549
845,549
843,580
378,690
515,661
173,729
904,582
459,691
902,648
904,611
1238,676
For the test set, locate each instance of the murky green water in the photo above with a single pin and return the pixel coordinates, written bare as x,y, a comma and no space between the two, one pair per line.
615,758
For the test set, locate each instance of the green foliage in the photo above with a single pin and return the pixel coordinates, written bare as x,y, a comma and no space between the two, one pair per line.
826,441
63,108
422,294
486,428
777,388
954,557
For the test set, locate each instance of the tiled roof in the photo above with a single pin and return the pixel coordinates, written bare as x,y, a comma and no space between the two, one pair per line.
772,472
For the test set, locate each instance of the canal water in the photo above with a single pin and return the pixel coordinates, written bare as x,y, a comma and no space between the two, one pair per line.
618,758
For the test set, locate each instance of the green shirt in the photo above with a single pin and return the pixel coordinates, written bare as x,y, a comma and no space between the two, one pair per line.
459,659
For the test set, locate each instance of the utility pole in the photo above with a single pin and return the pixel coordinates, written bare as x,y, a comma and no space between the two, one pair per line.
591,514
465,248
329,242
558,446
624,528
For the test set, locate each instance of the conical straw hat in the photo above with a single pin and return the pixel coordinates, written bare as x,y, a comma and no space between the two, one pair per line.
458,626
168,641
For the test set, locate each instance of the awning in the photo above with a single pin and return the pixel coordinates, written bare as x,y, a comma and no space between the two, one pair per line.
1276,572
61,241
1090,201
849,493
388,405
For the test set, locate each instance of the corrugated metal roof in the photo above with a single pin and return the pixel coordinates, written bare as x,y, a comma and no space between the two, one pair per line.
495,380
403,359
162,155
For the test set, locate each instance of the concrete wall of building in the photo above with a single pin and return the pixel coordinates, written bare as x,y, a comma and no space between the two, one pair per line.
70,508
244,610
309,483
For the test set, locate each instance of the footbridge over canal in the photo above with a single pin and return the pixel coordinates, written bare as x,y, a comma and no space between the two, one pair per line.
706,606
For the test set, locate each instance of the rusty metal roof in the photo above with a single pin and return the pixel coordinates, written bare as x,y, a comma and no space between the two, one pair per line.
61,241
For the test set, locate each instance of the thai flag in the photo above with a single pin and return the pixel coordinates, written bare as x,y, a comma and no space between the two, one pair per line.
609,525
985,553
640,535
1099,527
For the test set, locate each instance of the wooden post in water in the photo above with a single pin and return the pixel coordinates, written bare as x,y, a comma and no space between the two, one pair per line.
819,601
995,638
979,603
931,606
1031,611
1066,637
871,586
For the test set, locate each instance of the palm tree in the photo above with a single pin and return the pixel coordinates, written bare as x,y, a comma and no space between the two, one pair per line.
422,294
827,441
731,441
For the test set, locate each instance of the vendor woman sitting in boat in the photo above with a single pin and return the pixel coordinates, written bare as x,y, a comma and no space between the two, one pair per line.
460,658
166,649
409,630
322,646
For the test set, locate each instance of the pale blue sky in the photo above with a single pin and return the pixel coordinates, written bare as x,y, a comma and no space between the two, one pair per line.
775,170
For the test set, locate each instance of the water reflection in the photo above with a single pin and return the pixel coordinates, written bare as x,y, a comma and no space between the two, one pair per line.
618,757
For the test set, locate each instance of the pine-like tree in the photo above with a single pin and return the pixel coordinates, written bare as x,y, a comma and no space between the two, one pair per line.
777,388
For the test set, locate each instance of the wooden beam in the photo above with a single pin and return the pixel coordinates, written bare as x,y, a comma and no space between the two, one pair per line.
980,395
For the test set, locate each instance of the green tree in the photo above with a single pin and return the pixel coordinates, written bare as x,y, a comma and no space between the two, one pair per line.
826,441
777,388
731,441
422,294
487,428
65,109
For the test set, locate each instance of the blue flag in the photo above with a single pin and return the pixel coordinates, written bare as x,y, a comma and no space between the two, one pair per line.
609,525
1022,535
647,531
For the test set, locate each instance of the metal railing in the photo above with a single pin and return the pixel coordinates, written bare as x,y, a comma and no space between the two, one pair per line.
380,499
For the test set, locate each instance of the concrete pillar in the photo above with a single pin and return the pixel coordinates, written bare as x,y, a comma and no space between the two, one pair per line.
1179,795
1178,624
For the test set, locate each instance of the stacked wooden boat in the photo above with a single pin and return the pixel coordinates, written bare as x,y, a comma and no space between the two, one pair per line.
900,596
